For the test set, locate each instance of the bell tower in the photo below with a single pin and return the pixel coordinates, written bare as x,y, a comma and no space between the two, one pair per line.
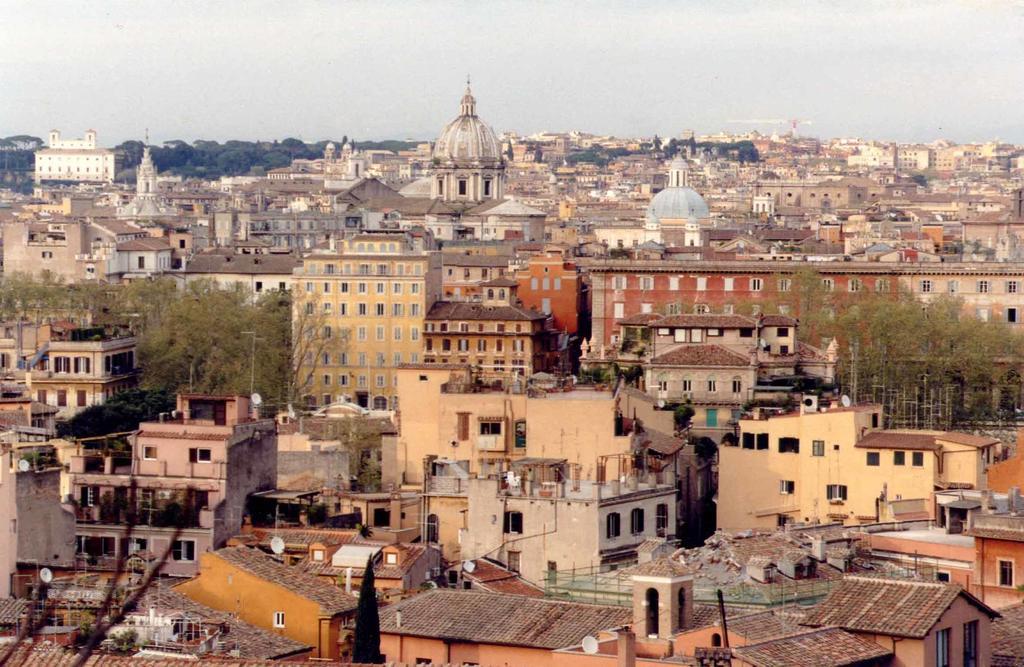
662,598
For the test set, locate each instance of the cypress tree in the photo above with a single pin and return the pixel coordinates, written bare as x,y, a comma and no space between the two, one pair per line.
367,642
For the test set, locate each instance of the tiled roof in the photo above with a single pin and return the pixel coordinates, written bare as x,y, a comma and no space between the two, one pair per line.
1008,638
412,553
895,440
275,263
144,244
778,321
302,538
662,443
660,567
331,599
886,606
493,578
460,310
829,647
12,610
491,618
640,319
712,321
701,354
252,642
1007,534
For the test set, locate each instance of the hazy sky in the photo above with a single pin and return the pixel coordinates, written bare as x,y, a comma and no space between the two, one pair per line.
373,70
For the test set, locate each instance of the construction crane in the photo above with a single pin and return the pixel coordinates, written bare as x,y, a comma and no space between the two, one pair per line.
792,122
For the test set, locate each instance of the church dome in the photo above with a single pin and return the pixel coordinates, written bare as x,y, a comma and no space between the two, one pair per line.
678,201
467,138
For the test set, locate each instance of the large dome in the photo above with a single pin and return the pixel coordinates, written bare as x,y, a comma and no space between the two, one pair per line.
467,138
680,203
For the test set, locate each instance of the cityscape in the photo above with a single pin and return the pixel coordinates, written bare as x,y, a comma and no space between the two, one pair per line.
517,367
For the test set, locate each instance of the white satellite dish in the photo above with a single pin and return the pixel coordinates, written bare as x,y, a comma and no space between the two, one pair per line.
845,400
24,465
45,575
468,566
590,644
277,545
256,399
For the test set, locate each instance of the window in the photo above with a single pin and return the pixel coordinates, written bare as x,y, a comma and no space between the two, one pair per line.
835,492
789,445
818,448
747,440
433,525
942,648
62,397
712,385
646,282
702,283
613,526
490,428
762,441
278,619
756,284
727,284
199,455
1012,287
787,487
462,186
687,386
737,386
882,285
828,283
917,458
513,522
982,287
971,644
926,286
1006,573
1012,316
619,311
854,285
899,458
953,286
785,284
149,453
636,521
184,550
391,558
661,519
874,458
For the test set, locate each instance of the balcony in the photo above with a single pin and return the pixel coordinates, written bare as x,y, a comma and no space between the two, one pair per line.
491,443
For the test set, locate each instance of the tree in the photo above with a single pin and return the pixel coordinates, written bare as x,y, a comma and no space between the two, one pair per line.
367,641
656,144
121,413
682,416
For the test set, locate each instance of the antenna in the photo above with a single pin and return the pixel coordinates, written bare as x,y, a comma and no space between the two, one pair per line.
24,465
46,575
277,545
256,399
590,644
468,566
845,400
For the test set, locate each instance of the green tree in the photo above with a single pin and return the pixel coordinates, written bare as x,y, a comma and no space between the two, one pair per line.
367,640
122,412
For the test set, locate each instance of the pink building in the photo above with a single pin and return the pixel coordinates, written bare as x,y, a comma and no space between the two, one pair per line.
194,469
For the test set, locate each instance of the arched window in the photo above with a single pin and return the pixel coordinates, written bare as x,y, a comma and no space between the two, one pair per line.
681,613
716,640
613,527
652,612
433,525
490,294
380,402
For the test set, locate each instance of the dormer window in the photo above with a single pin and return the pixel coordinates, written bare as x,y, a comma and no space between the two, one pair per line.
390,558
318,555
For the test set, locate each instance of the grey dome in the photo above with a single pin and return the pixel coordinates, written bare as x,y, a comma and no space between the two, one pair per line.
678,204
467,138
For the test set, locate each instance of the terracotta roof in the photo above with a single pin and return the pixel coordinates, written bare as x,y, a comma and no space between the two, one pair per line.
1006,534
640,319
460,310
493,578
1008,638
211,262
662,443
829,647
888,606
252,642
12,610
778,321
660,567
301,538
711,321
701,354
331,599
896,440
492,618
146,243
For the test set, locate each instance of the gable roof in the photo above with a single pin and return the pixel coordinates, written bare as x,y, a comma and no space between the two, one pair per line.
1008,637
331,599
828,647
888,606
462,310
493,618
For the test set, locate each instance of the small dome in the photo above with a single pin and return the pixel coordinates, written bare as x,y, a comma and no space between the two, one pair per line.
467,138
677,204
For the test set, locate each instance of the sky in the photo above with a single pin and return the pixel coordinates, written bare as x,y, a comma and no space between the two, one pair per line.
907,71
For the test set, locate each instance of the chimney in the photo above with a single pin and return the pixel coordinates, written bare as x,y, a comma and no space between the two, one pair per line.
818,547
348,580
626,649
396,511
398,618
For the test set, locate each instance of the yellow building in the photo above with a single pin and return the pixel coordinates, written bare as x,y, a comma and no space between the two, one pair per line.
369,294
838,465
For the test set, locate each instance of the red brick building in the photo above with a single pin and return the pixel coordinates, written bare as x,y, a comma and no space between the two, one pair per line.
551,284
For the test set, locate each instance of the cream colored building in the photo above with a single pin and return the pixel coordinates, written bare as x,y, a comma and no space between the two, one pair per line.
838,465
373,291
75,160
